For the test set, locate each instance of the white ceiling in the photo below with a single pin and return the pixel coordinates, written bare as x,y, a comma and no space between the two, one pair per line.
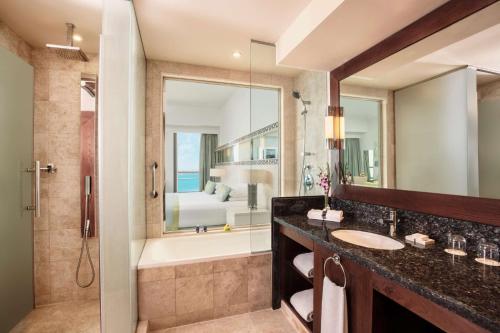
198,94
351,28
473,41
207,32
43,21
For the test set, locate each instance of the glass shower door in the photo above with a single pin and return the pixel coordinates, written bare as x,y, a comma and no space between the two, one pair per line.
16,153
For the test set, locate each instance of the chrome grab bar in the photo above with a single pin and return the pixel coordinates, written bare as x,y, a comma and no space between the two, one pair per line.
154,192
50,168
336,259
36,206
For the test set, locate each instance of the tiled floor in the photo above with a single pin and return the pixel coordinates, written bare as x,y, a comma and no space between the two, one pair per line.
265,321
70,317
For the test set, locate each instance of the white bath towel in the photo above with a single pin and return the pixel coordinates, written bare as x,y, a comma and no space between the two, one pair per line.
331,215
302,302
333,308
305,263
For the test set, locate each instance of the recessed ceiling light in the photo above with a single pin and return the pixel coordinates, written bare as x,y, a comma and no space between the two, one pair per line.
236,54
77,38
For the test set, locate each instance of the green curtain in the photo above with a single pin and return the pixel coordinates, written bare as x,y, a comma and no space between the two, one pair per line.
352,157
208,145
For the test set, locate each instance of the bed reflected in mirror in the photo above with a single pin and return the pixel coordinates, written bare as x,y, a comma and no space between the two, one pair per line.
221,169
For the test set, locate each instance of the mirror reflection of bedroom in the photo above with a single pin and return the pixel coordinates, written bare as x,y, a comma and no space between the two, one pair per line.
221,169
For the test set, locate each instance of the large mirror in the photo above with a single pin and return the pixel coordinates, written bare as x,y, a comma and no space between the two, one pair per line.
427,118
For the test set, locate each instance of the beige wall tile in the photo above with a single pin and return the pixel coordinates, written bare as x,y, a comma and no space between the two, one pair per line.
157,299
194,317
57,140
156,274
161,323
230,264
231,310
260,259
42,278
188,270
259,287
193,294
41,248
230,288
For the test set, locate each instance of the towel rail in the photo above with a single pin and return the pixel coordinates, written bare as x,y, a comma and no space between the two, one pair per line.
336,259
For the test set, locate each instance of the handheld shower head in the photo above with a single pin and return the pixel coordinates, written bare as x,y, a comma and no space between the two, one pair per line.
298,96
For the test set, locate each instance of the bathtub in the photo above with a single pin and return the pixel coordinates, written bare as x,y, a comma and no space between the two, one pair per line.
186,279
178,250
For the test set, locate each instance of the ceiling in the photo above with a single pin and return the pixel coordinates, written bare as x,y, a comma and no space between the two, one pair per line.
473,41
43,21
351,27
206,32
198,94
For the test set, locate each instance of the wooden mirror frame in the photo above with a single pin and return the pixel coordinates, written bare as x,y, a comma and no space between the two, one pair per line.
482,210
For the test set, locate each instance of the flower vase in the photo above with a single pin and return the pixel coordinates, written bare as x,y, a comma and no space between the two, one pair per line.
327,203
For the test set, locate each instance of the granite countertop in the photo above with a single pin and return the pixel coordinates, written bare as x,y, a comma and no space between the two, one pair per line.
459,284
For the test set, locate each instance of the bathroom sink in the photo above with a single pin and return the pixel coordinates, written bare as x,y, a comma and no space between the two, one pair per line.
368,239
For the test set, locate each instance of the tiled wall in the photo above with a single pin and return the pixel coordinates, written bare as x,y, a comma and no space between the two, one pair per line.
313,87
178,295
156,70
57,140
12,42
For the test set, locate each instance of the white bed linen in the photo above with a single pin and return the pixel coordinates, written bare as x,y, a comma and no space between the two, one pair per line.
199,208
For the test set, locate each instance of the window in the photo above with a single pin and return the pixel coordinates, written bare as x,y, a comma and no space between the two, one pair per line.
187,156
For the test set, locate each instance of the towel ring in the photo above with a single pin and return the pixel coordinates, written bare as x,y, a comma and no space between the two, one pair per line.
336,259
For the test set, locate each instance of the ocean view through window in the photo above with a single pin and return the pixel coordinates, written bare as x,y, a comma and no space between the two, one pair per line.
188,162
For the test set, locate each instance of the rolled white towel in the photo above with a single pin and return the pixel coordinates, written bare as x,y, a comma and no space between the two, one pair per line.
331,215
302,302
305,263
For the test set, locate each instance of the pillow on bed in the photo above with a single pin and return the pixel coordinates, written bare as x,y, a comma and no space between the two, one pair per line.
210,187
222,192
239,193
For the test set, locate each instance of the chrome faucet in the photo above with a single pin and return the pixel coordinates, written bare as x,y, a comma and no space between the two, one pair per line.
393,222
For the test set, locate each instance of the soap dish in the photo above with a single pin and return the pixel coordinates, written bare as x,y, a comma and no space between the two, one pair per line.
488,262
455,252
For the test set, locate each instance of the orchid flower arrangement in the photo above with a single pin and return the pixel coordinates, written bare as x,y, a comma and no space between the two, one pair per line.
324,179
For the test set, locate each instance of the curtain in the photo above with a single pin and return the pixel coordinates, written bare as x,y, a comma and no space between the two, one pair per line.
352,157
208,145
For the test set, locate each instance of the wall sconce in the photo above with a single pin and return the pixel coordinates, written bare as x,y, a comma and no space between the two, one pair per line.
334,127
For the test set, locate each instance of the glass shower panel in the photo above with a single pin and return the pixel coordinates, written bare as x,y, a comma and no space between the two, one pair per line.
16,154
267,90
122,221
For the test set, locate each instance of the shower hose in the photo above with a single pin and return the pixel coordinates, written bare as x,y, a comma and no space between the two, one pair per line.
85,245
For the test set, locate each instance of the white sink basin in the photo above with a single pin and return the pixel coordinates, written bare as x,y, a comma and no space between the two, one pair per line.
368,239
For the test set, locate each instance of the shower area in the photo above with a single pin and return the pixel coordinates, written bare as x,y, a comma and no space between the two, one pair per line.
49,130
54,140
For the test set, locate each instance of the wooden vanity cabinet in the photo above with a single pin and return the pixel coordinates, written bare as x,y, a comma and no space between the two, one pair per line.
375,304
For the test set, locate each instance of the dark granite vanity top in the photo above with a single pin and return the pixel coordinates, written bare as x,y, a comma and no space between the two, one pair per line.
459,284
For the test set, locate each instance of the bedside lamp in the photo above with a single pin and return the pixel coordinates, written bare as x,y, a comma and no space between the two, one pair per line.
216,174
252,178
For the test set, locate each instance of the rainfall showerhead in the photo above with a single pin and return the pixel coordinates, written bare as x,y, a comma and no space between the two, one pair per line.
296,94
69,52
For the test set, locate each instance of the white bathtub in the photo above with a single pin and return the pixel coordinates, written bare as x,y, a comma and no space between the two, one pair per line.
194,248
